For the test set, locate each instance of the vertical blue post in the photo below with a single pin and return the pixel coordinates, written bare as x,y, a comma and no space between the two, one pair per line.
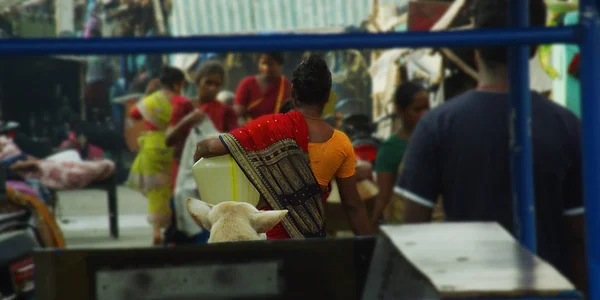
520,133
590,114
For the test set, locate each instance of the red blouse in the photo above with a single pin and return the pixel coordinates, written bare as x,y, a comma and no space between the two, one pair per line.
259,102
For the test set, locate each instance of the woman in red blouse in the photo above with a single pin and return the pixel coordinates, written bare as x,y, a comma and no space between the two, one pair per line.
262,94
209,79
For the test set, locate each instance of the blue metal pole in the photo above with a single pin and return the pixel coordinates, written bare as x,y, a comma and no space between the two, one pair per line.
520,133
288,42
590,113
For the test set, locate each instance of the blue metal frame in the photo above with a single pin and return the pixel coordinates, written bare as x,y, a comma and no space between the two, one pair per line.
586,34
590,112
520,133
289,42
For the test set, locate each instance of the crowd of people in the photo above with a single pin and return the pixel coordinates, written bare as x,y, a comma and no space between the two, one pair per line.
169,117
458,152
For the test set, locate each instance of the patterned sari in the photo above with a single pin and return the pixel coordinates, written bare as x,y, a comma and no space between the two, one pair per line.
151,171
273,153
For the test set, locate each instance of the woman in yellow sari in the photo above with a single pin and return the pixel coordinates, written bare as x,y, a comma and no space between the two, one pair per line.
151,170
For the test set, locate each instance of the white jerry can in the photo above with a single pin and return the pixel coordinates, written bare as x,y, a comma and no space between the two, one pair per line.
220,179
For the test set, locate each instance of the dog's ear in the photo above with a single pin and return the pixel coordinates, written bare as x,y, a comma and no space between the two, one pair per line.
199,210
263,221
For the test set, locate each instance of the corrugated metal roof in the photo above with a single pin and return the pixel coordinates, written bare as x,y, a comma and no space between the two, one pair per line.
195,17
8,4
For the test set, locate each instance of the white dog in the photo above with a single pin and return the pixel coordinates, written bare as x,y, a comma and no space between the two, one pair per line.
233,221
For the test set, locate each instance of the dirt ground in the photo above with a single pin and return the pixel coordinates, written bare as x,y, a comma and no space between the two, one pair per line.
83,217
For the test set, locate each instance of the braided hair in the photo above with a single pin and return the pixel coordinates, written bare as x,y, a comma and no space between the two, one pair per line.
311,81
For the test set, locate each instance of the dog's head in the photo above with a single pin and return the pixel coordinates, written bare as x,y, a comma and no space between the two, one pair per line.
233,221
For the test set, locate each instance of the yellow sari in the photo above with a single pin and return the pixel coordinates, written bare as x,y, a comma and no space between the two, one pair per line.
151,171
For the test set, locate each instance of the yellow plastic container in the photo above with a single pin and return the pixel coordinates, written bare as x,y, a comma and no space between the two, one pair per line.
220,179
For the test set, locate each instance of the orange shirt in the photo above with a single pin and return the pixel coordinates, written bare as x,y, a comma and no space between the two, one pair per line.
334,157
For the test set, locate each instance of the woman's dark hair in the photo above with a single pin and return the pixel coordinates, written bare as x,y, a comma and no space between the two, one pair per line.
405,94
206,68
311,81
276,56
171,76
287,106
490,14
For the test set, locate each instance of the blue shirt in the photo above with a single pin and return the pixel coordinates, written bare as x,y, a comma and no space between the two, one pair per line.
460,151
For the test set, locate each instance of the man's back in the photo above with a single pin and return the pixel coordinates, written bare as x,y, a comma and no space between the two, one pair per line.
461,151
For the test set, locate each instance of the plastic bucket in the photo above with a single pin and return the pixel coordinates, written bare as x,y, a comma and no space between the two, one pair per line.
220,179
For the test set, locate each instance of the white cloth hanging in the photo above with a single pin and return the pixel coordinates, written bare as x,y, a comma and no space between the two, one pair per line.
185,186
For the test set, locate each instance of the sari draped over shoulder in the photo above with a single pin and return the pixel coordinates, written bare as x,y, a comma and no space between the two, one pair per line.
273,153
156,108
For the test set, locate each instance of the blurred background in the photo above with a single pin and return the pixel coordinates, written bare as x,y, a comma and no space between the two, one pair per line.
83,102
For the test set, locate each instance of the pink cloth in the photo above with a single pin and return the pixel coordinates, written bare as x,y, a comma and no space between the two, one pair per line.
93,23
22,187
8,148
94,152
69,175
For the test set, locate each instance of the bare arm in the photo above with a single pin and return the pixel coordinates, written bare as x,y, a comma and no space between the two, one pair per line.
416,213
354,206
363,170
174,133
178,132
241,113
210,147
385,182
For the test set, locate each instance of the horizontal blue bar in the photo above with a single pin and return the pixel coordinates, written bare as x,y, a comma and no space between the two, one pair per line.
290,42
